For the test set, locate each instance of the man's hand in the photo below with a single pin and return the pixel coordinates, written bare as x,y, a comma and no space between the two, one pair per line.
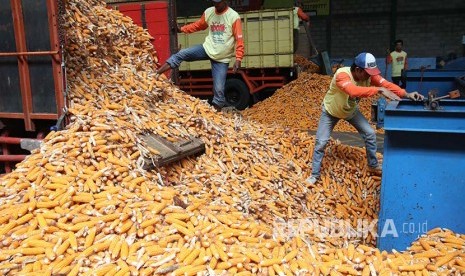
415,96
178,29
236,66
388,94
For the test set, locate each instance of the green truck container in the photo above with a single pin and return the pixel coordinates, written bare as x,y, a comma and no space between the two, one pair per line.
278,4
268,40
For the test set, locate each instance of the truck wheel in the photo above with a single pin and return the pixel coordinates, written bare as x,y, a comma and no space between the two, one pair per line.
237,94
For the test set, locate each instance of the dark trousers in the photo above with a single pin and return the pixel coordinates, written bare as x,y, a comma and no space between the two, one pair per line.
296,40
399,80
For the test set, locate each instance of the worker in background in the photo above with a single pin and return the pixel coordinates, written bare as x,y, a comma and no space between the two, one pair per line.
348,85
299,14
398,59
224,40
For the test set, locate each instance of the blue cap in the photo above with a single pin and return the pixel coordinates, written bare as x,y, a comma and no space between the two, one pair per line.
368,62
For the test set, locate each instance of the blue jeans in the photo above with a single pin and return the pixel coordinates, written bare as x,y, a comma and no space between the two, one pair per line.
326,126
219,69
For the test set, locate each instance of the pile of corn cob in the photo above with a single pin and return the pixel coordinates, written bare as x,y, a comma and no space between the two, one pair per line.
306,65
309,66
82,204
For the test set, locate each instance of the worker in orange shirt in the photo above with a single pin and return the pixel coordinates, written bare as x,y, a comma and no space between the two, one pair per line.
224,41
398,59
299,14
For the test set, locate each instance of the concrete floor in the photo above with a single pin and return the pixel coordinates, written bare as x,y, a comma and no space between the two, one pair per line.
354,139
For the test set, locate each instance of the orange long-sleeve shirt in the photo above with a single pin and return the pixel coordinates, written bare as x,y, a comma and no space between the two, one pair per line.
302,15
345,83
225,32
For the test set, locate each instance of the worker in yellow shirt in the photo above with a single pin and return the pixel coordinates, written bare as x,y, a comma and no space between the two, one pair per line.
362,80
224,41
398,59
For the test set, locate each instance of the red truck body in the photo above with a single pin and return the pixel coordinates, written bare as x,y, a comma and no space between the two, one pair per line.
152,16
32,86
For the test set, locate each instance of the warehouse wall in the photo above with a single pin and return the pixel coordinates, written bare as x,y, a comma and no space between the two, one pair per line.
429,28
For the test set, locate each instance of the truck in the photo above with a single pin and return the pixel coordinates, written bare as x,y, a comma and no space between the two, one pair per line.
268,40
32,82
32,65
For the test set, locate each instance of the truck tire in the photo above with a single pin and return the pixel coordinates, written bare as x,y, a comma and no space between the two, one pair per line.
237,94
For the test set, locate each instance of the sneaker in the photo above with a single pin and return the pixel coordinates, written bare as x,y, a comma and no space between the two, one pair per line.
217,107
229,109
376,169
311,180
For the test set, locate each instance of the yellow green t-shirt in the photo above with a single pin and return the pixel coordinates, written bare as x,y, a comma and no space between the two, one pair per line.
220,42
224,34
398,62
338,103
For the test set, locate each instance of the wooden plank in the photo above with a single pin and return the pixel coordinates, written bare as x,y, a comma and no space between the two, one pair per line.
170,152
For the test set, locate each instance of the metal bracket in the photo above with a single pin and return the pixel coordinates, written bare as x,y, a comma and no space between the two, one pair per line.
432,102
378,110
